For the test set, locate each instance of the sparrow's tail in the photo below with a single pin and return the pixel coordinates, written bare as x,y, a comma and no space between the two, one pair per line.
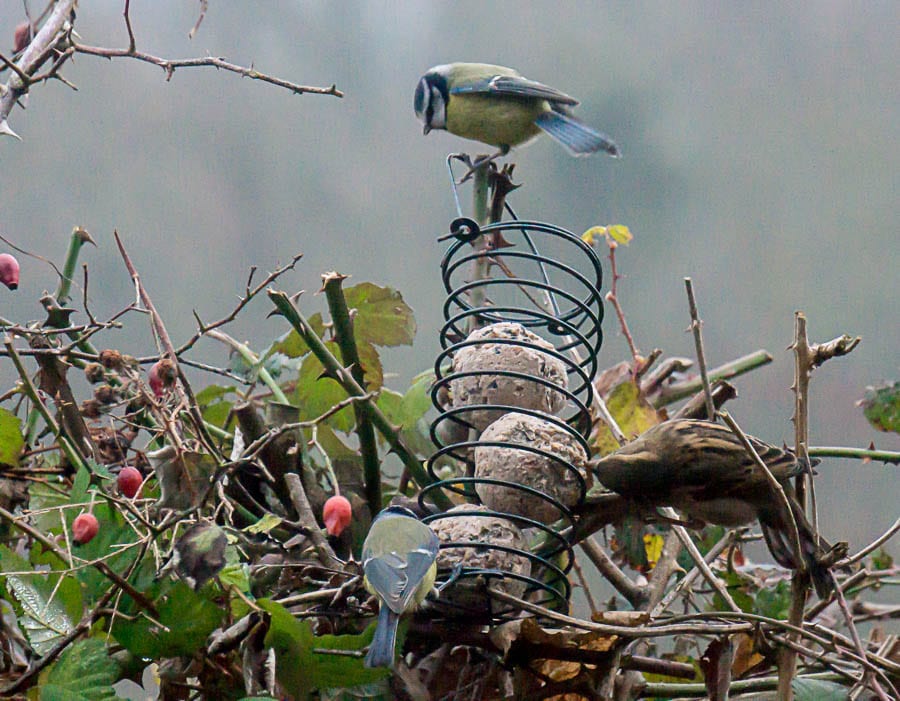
777,529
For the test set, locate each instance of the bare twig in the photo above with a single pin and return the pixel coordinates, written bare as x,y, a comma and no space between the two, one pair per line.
163,335
613,298
612,572
690,577
308,521
871,547
774,484
248,296
696,326
697,557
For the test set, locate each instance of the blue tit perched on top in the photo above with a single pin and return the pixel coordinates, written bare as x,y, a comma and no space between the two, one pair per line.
399,567
497,106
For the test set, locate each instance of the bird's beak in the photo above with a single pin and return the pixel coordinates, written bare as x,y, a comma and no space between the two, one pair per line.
426,129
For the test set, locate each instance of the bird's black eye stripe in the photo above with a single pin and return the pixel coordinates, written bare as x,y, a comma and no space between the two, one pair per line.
439,82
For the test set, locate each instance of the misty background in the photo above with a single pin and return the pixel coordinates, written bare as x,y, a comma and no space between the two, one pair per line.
760,150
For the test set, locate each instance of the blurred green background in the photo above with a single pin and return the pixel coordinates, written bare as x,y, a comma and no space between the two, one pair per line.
760,149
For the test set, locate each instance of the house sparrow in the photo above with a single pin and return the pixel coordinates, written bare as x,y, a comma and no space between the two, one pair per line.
703,470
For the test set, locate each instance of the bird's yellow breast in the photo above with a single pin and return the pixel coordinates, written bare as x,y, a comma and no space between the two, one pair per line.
496,121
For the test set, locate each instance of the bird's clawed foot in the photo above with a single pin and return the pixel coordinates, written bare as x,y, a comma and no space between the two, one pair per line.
455,574
479,163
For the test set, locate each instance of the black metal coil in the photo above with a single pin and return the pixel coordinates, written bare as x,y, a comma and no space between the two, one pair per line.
558,299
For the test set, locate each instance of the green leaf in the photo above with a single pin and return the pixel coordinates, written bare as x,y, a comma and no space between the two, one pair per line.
408,411
300,670
213,393
49,604
236,575
736,587
882,560
881,407
80,486
292,344
292,641
818,690
11,438
114,532
186,617
775,602
96,468
213,406
45,505
382,317
316,394
83,672
265,524
405,410
333,446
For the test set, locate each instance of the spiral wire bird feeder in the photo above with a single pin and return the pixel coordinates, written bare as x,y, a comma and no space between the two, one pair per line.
544,308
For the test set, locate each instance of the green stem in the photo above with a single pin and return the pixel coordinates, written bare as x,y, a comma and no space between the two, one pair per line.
214,430
252,360
76,241
336,371
670,394
829,451
343,333
480,265
71,453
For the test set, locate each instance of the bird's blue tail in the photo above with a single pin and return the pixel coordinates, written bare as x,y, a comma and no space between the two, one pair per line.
381,649
578,138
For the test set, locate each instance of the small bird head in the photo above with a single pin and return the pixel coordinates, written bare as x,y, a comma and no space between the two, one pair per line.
431,98
395,510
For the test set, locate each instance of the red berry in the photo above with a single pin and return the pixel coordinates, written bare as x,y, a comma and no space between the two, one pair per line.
162,377
9,271
337,515
21,36
129,481
84,528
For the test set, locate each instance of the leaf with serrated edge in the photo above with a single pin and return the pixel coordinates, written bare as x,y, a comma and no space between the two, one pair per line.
382,317
47,611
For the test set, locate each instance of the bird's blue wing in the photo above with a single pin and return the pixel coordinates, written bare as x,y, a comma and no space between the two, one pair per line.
396,579
389,576
515,86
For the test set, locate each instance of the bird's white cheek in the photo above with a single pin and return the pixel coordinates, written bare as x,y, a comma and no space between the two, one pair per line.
439,107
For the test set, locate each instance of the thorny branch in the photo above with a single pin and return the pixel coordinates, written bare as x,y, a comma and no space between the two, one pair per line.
56,42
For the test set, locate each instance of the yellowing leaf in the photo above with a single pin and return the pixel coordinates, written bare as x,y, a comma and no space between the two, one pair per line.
619,233
632,413
593,233
653,545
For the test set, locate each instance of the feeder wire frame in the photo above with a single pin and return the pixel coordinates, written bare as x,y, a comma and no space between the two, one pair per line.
579,329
